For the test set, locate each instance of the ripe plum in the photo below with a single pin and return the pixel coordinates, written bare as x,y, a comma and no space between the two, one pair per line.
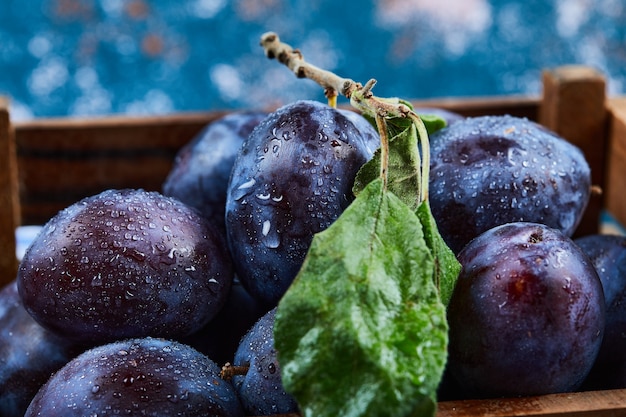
201,170
261,389
292,179
491,170
608,255
125,263
137,377
527,314
29,354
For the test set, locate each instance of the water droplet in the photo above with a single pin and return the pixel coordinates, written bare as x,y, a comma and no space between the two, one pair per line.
95,389
266,227
463,158
272,240
96,281
244,189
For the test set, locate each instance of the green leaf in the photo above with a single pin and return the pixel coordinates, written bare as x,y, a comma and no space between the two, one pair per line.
404,168
362,330
433,122
404,180
447,267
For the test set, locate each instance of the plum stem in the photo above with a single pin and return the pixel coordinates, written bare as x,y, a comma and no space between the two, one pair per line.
229,371
360,97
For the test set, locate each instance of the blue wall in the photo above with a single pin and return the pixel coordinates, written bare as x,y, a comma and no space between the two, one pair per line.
97,57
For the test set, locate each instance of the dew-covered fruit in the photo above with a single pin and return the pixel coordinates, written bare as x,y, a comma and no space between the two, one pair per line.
260,389
201,169
29,354
137,377
125,263
527,314
608,255
491,170
292,179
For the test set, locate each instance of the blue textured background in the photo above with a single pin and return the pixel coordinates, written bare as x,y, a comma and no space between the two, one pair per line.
97,57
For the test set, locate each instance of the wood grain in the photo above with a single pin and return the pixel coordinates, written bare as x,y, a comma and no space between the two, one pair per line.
608,403
9,204
615,187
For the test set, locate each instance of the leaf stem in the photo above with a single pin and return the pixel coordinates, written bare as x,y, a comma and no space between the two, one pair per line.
425,151
381,124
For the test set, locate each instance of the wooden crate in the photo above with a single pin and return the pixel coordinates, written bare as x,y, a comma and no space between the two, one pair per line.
46,165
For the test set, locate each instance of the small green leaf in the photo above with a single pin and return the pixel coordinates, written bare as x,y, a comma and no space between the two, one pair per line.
404,168
433,122
362,330
404,181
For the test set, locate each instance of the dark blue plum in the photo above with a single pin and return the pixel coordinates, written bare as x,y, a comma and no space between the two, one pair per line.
137,377
261,389
608,255
29,354
527,314
125,263
292,179
200,172
491,170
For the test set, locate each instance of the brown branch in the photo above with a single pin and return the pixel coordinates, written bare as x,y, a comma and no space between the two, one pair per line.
293,59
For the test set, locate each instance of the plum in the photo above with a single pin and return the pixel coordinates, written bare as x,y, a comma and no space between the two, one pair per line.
125,263
29,354
491,170
260,389
608,255
292,179
527,314
137,377
201,170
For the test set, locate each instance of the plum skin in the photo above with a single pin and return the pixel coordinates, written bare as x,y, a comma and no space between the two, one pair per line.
137,377
527,314
491,170
608,255
292,179
261,390
29,354
125,263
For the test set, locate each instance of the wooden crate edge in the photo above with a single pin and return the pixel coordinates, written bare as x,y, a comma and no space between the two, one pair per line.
9,201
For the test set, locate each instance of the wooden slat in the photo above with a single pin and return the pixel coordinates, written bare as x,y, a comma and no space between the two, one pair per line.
519,106
574,107
64,160
615,188
9,204
611,403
